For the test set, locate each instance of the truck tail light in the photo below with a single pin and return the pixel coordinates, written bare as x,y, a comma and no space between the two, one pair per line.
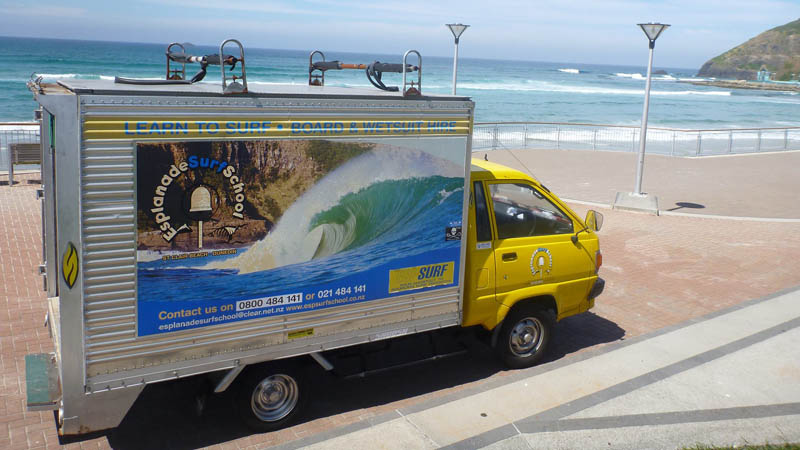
598,260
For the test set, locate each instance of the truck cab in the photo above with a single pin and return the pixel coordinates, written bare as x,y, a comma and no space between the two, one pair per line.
530,261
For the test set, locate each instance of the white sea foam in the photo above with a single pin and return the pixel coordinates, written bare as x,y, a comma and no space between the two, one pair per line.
569,70
57,75
638,76
19,127
550,87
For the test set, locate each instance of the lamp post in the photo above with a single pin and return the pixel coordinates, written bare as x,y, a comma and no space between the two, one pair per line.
652,30
637,200
457,29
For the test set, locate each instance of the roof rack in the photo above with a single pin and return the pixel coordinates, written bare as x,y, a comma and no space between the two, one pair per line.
374,71
236,85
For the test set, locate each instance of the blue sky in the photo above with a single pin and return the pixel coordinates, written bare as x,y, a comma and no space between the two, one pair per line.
578,31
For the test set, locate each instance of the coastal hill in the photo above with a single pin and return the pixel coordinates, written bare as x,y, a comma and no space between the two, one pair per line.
777,49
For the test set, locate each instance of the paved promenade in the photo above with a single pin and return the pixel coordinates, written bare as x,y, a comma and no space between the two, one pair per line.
692,340
750,185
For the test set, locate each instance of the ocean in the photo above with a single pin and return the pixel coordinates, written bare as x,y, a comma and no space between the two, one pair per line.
504,91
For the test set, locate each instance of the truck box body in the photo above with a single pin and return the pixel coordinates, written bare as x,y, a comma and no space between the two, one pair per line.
186,231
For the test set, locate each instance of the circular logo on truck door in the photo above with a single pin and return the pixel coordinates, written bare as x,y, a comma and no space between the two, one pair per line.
541,263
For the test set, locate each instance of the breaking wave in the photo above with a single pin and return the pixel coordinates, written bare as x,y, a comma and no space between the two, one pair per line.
373,200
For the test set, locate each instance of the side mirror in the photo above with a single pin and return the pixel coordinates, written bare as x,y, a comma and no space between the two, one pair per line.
594,220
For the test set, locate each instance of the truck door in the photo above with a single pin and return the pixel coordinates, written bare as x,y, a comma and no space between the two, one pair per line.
479,293
533,245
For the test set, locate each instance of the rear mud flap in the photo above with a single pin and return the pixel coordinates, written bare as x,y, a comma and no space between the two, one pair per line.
41,382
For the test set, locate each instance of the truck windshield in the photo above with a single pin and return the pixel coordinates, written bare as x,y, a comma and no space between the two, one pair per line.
521,211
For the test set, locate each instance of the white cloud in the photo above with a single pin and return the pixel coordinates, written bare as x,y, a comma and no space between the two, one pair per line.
42,10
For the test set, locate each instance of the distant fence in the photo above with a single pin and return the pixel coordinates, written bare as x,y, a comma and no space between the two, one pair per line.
663,141
16,133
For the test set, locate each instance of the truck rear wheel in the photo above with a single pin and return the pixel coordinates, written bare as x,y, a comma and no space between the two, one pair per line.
525,336
270,397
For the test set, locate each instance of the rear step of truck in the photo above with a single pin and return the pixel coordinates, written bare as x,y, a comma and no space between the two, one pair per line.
41,381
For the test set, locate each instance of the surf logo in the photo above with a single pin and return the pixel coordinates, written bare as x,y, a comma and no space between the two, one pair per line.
69,265
541,263
201,197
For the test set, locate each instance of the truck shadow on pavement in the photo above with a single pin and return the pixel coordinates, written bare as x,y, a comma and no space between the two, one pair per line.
165,415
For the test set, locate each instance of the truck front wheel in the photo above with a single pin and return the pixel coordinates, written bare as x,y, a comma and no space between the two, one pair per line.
524,337
270,397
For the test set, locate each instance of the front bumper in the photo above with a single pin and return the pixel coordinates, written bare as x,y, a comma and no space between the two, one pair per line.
597,289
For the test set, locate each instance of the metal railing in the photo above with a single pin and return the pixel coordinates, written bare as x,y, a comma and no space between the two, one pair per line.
664,141
567,136
16,133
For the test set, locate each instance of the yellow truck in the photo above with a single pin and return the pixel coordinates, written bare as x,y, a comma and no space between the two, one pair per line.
237,234
526,261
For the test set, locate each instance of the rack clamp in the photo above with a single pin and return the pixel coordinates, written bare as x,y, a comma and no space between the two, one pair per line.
238,84
175,74
409,88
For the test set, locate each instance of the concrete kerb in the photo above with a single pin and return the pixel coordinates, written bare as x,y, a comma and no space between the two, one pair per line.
511,430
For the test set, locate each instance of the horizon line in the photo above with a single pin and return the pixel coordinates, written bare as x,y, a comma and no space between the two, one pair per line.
348,52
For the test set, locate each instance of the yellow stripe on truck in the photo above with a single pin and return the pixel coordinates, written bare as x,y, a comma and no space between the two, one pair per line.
161,128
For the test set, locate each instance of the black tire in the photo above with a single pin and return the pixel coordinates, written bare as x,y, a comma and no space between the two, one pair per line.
269,397
525,336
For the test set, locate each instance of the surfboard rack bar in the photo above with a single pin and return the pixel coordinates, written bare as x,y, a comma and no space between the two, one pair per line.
374,72
176,54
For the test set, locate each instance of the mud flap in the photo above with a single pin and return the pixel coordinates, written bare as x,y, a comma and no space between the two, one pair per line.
41,382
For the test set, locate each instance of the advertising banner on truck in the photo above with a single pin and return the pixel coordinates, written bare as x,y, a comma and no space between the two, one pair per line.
238,230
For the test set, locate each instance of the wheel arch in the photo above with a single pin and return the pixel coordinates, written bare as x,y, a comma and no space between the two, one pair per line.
546,301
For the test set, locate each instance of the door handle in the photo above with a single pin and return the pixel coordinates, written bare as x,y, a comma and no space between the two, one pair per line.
510,256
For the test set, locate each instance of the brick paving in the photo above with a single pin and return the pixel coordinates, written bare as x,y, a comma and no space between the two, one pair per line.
752,185
659,271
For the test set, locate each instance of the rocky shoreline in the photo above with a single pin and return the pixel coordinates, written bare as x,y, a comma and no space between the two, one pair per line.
742,84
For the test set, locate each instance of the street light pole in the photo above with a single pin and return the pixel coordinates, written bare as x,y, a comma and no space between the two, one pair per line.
457,29
638,200
652,30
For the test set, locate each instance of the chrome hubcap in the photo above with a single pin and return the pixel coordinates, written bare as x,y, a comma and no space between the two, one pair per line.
526,337
274,398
